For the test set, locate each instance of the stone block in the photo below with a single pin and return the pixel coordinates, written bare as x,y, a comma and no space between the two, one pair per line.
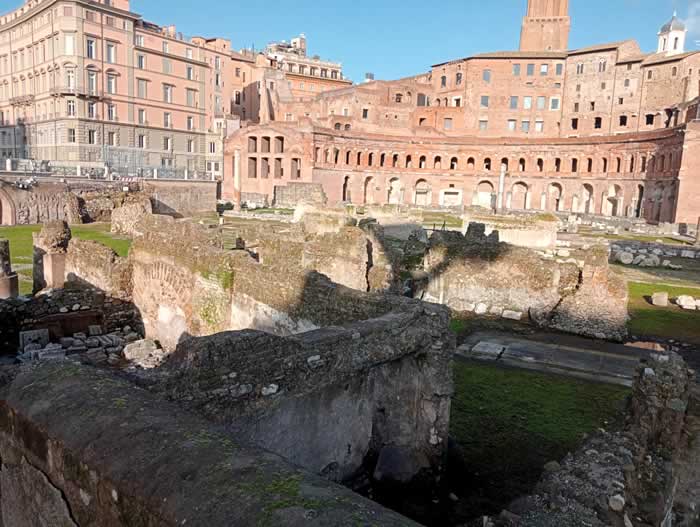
140,350
660,299
625,257
35,336
481,309
9,286
512,315
54,270
686,302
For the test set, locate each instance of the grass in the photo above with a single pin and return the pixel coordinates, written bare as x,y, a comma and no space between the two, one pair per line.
510,422
438,219
21,245
636,238
666,322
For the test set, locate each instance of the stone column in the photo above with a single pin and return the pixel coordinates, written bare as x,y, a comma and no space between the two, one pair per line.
9,281
50,247
501,188
237,179
543,201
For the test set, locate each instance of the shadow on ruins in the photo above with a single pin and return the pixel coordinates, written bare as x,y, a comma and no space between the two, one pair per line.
281,358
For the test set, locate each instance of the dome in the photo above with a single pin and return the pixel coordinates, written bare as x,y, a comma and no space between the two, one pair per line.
675,24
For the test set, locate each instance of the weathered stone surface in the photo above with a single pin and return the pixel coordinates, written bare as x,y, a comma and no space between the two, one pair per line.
140,351
686,302
660,299
125,219
625,257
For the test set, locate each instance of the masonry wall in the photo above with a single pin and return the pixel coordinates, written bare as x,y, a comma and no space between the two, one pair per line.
181,198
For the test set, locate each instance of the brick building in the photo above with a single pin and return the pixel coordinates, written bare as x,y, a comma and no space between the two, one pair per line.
605,129
90,83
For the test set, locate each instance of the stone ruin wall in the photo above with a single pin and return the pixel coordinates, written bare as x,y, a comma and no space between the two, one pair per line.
628,476
474,273
80,446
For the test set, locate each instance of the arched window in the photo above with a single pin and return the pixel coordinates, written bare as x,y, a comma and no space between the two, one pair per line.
399,98
347,127
487,163
370,160
336,156
605,164
504,164
521,165
395,161
382,160
454,163
618,165
421,162
337,126
540,165
574,165
359,159
590,165
437,163
632,164
471,163
422,100
409,162
347,157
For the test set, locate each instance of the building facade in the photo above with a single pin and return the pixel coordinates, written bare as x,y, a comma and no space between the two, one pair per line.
605,129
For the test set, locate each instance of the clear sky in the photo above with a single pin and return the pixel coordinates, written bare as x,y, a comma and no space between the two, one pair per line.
398,38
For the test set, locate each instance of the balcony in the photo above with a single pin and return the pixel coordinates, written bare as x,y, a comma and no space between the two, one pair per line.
58,91
22,100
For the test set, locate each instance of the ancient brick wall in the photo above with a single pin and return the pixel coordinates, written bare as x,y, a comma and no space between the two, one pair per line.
181,198
125,218
82,447
292,194
91,264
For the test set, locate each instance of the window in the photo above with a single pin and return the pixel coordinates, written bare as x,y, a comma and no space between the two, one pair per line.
574,124
111,138
141,61
627,83
486,75
92,110
579,69
649,75
447,124
483,124
674,71
457,102
559,69
621,100
92,137
602,65
142,85
554,103
623,120
69,44
598,123
190,146
443,82
539,125
89,16
516,70
514,102
111,112
167,143
212,147
190,73
142,141
71,135
138,40
650,119
70,110
578,88
191,98
142,116
167,66
484,101
111,84
512,125
166,48
167,120
188,53
190,122
592,106
525,126
541,103
217,63
576,107
458,78
365,113
90,48
530,70
167,93
527,102
111,55
544,69
603,85
238,72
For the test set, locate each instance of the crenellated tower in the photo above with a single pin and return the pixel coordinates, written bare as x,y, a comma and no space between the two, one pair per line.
546,26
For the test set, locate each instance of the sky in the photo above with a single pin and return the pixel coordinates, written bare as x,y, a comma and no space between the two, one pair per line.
399,38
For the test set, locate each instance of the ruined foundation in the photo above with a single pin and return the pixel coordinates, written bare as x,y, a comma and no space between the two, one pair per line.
9,281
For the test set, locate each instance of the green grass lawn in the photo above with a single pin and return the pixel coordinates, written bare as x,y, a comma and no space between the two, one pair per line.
667,322
510,422
21,245
438,219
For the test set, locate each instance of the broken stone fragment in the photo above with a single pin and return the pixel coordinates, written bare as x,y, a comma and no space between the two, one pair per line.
140,350
660,299
270,389
617,503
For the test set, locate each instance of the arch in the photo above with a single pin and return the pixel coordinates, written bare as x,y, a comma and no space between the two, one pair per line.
409,161
359,159
639,208
336,156
555,194
504,164
395,161
422,162
587,202
347,127
605,164
520,196
485,195
613,201
487,164
394,193
370,159
422,193
347,157
454,163
437,162
337,126
557,164
8,211
589,163
327,156
369,190
471,163
540,165
347,198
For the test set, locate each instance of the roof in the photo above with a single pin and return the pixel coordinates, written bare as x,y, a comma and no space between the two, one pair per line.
660,58
510,55
675,24
599,47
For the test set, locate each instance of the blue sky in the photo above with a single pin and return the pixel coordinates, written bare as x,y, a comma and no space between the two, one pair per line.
398,38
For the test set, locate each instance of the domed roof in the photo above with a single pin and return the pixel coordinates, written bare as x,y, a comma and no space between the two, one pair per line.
675,24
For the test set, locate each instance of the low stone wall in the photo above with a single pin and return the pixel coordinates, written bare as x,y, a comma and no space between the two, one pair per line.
126,218
619,477
293,194
181,198
91,264
82,447
41,203
537,231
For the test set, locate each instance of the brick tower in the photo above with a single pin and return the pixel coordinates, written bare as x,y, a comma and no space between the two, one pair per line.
546,26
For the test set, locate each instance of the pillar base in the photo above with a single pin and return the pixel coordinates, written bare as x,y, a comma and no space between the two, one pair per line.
9,286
